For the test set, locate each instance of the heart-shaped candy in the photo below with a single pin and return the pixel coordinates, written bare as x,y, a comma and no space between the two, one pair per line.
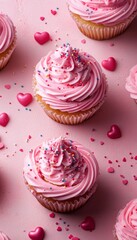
114,132
42,38
4,119
24,99
88,224
109,64
54,12
37,234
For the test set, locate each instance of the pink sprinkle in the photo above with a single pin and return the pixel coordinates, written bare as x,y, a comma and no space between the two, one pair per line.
112,44
109,161
125,182
111,170
42,18
135,178
59,229
21,150
7,86
101,143
52,215
92,139
135,157
83,41
122,176
53,12
70,236
124,159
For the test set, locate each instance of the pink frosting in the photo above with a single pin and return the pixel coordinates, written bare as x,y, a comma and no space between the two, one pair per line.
70,80
126,226
7,32
3,236
106,12
61,169
131,83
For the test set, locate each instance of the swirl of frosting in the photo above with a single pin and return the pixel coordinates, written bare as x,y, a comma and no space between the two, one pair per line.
70,80
106,12
61,169
131,83
7,32
126,225
3,236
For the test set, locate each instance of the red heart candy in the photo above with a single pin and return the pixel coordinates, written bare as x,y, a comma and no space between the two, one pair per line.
114,132
109,64
42,38
54,12
37,234
24,99
4,119
88,224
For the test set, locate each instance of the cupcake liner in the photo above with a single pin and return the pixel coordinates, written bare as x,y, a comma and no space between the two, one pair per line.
7,55
62,206
72,119
101,32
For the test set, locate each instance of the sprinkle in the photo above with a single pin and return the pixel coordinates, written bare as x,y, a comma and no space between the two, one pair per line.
111,170
59,229
21,150
52,215
125,182
83,41
42,18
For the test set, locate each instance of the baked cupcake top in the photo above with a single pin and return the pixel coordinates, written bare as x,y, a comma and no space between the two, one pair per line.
3,236
126,225
61,169
7,32
70,80
131,83
106,12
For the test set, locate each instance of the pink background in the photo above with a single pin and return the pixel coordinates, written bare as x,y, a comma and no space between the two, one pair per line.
19,211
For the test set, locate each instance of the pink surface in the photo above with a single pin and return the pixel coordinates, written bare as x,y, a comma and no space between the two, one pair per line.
28,126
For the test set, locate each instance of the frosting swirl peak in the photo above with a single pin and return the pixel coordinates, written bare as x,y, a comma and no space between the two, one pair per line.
61,169
126,226
70,80
106,12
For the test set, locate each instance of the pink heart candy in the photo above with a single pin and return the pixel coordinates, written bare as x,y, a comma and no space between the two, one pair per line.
4,119
37,234
54,12
24,99
114,132
42,38
88,224
109,64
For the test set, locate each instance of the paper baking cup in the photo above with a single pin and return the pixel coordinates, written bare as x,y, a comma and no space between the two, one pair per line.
62,206
72,119
100,32
4,59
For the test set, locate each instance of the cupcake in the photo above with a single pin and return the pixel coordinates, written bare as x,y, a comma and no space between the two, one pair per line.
69,85
126,225
7,39
3,236
61,174
131,83
102,19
